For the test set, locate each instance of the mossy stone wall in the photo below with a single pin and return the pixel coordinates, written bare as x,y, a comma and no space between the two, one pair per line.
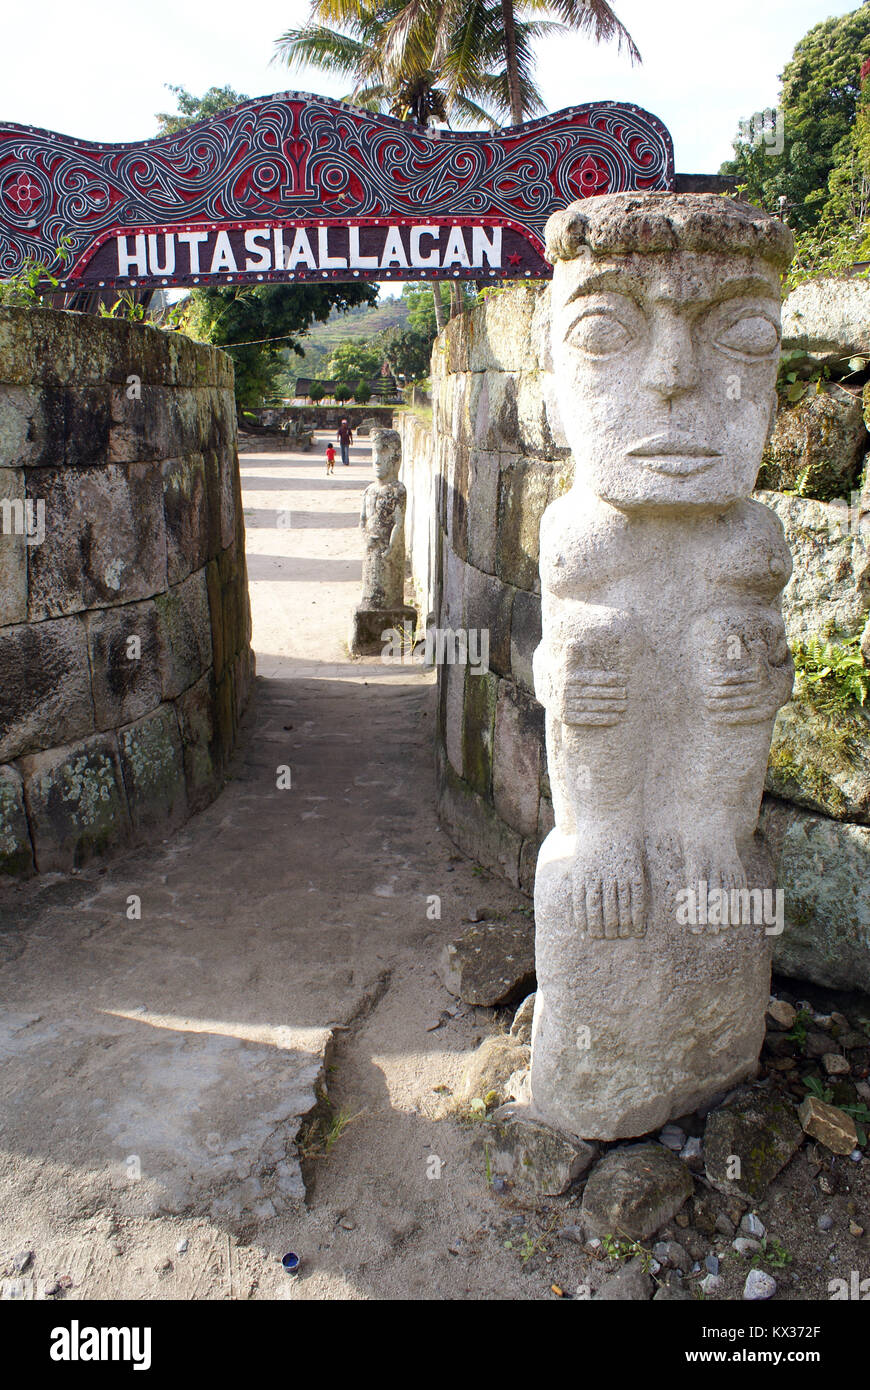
125,660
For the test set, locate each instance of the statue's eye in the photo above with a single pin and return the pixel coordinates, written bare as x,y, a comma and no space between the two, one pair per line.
753,335
600,334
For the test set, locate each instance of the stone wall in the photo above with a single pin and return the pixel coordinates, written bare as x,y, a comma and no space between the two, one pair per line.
329,417
479,480
125,659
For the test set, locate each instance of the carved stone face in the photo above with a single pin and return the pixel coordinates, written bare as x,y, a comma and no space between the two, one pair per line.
386,455
665,370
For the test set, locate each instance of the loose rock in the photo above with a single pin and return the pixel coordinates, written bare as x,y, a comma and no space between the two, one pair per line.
629,1285
832,1127
521,1028
751,1225
572,1233
490,964
672,1137
672,1293
536,1156
634,1191
835,1065
759,1285
761,1131
817,1045
781,1013
670,1252
692,1154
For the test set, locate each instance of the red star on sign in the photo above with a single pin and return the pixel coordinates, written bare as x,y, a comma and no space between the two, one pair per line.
515,258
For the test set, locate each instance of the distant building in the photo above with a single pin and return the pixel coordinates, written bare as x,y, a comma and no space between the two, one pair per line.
383,387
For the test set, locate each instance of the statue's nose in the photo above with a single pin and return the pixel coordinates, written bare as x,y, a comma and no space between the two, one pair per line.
671,367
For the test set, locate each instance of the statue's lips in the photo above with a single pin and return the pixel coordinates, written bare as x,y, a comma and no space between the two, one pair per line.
677,457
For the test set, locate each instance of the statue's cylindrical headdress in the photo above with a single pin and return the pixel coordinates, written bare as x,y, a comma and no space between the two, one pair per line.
619,224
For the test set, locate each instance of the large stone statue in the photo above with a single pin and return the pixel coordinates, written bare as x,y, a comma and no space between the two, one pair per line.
382,607
662,661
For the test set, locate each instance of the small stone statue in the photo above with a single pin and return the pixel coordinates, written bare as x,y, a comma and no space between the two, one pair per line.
382,520
662,662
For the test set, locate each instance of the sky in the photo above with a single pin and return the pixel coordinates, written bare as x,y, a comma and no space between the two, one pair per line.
97,70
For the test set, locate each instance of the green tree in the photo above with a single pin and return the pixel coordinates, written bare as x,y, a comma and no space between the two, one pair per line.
818,104
408,352
343,392
422,309
847,210
497,34
317,391
362,392
353,359
255,323
192,108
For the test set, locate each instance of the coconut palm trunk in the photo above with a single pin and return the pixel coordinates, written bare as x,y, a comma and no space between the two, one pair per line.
511,64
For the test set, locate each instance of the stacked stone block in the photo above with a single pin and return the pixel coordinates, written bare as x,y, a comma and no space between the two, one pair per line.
496,463
125,657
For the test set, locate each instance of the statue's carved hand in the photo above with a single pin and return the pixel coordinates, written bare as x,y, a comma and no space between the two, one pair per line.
745,669
595,697
737,697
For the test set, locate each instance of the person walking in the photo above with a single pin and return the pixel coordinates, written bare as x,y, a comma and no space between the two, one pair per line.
345,439
330,459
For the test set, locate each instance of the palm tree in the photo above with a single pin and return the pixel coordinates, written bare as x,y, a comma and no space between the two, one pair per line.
463,53
594,17
422,59
422,65
353,45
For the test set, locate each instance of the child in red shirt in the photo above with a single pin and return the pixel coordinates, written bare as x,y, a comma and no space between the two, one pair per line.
330,459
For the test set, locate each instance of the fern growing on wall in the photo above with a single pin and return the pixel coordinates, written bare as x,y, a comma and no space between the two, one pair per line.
831,676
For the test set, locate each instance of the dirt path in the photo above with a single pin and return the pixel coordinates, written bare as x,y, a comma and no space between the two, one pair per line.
156,1070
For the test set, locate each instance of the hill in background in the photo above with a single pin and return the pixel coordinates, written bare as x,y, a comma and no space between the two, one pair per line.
362,322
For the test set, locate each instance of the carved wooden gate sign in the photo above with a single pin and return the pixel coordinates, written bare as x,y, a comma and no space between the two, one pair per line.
297,187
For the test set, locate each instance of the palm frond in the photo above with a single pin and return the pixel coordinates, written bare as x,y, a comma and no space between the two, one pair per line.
469,113
593,17
324,48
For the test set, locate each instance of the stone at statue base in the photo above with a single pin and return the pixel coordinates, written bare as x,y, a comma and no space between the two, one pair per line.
372,629
645,1052
535,1156
633,1191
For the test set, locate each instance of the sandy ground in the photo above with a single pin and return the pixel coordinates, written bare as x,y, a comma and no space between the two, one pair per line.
157,1072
